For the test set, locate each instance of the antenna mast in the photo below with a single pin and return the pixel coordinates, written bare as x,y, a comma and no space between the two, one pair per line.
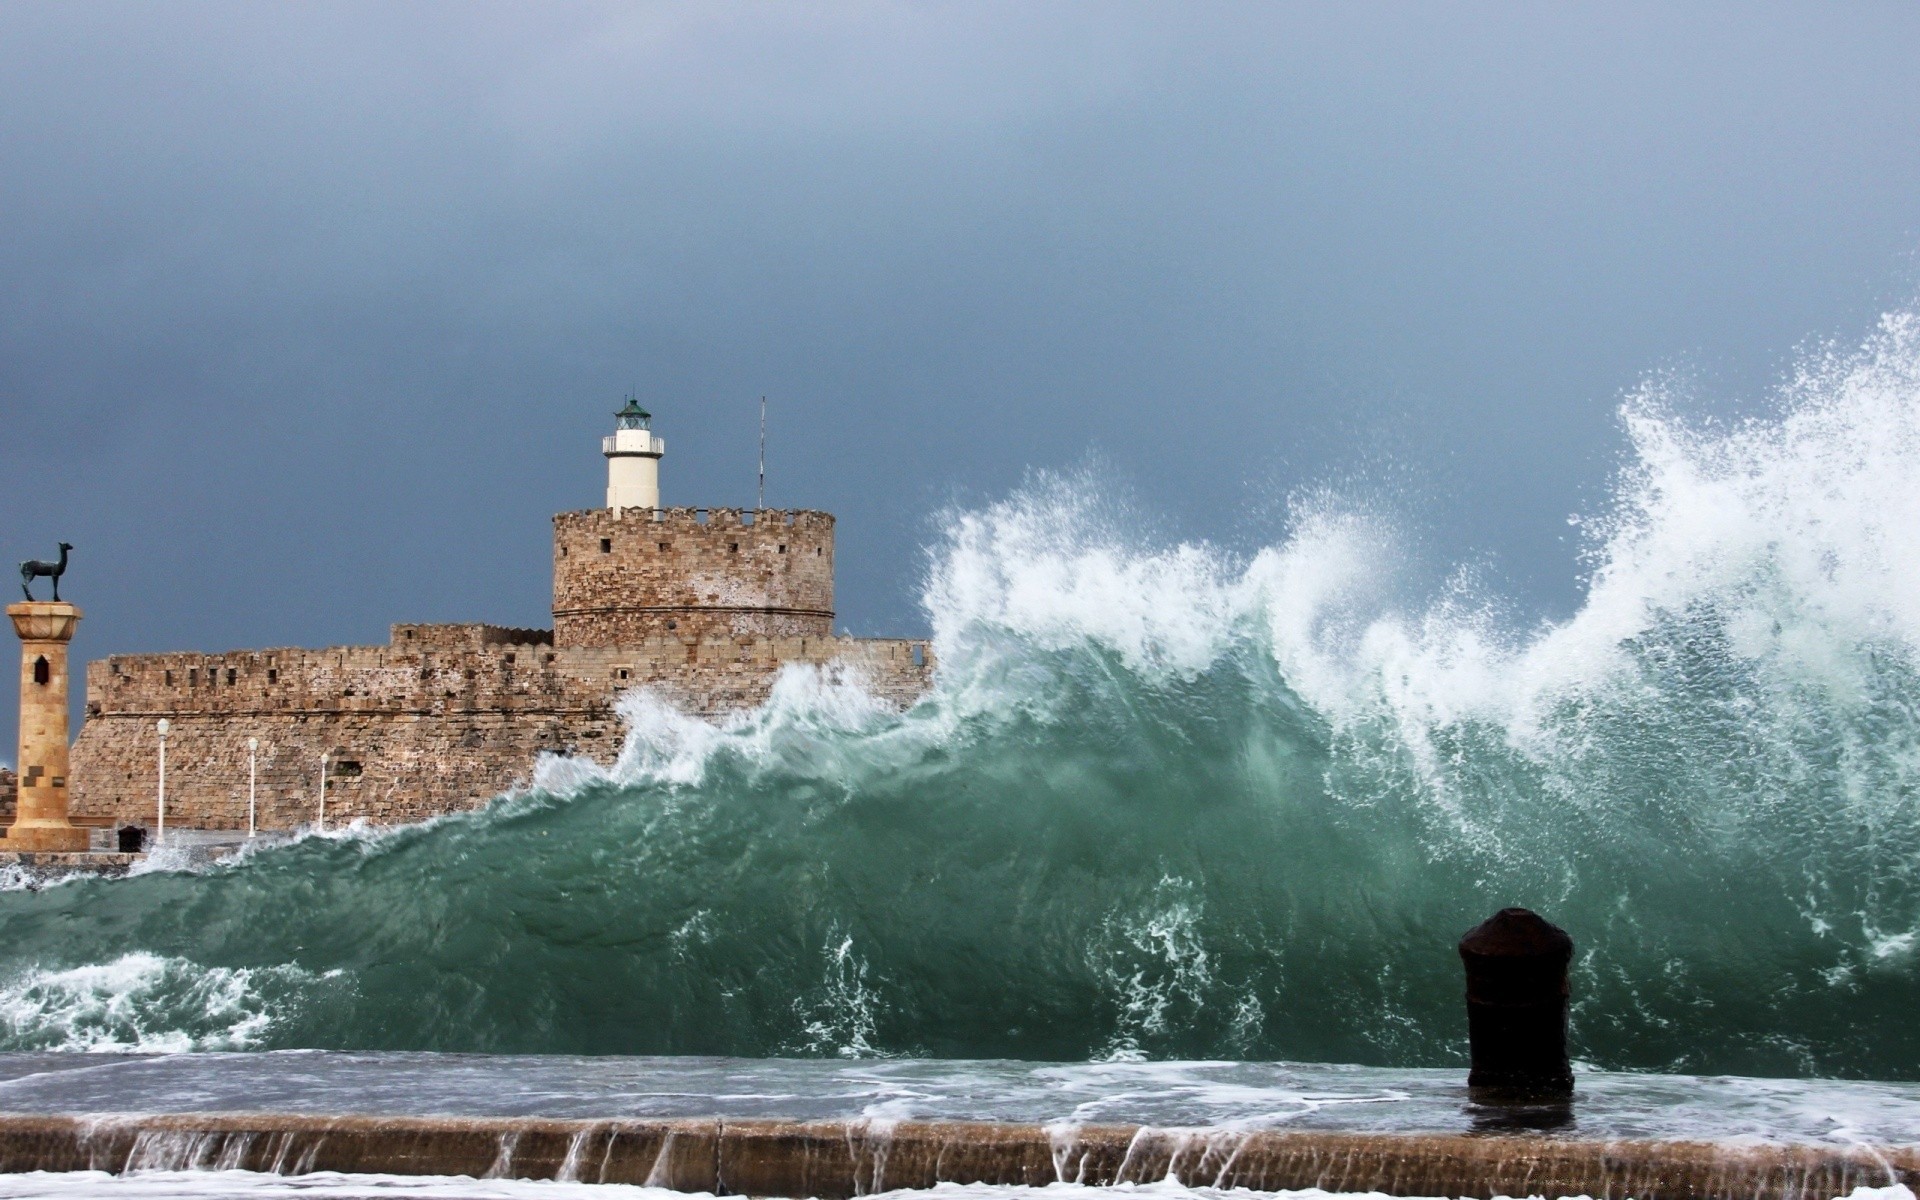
763,453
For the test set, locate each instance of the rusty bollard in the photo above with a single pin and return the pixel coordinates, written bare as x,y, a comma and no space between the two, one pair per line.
1516,966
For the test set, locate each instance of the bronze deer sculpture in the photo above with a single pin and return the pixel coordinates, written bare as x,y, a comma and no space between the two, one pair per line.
33,568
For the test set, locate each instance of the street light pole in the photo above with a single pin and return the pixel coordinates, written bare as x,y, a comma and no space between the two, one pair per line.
253,775
160,831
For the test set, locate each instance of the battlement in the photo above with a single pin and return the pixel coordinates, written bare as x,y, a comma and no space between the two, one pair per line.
620,577
467,636
679,517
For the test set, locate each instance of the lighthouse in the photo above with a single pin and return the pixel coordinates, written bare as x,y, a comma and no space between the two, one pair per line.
633,459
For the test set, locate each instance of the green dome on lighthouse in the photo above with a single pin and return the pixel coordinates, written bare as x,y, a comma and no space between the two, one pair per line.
633,416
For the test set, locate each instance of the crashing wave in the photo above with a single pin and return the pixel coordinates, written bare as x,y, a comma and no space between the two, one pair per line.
1172,801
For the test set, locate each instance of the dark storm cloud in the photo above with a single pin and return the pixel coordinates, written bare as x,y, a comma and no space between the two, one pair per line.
310,315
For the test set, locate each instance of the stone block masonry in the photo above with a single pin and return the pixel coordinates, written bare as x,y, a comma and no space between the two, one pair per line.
622,576
442,718
41,799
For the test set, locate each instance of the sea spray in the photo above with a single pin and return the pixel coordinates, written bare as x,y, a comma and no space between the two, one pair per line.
1167,801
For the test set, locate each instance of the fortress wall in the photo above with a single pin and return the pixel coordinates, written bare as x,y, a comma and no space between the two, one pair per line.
622,576
434,723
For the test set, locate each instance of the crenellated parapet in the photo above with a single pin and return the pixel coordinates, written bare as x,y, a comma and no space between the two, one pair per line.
626,575
466,636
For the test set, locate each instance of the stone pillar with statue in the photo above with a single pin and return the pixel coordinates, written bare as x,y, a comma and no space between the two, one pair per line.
44,627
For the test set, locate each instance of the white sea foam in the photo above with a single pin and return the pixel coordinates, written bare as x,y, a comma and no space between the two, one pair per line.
664,744
841,1017
1803,530
1794,538
1155,965
140,1002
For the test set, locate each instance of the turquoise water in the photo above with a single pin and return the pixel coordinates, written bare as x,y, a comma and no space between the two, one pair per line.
1171,802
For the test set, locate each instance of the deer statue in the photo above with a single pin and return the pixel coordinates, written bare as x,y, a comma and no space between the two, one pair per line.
33,568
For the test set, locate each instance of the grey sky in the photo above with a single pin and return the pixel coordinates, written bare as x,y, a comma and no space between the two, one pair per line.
310,316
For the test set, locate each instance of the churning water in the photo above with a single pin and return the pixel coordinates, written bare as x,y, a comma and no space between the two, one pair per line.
1170,802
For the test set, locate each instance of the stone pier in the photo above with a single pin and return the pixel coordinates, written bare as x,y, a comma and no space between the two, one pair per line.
839,1160
40,821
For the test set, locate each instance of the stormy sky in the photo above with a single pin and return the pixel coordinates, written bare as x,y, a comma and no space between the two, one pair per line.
311,315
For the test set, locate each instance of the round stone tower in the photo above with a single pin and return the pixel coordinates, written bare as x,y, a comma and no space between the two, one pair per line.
635,571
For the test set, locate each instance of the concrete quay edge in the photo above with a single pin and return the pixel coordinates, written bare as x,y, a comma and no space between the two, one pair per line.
836,1160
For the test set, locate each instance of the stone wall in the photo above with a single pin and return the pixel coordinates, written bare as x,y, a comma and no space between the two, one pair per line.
622,577
443,718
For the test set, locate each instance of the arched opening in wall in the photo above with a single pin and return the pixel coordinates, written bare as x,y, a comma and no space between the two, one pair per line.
42,671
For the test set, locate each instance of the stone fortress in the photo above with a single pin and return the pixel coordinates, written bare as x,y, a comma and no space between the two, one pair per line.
702,605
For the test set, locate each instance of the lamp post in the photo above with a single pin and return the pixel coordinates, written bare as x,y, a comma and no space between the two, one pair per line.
160,831
323,793
253,775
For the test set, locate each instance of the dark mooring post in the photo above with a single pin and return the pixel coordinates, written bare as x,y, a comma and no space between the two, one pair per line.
1517,1007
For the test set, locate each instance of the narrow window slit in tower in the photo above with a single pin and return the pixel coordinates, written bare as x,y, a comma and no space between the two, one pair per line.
42,673
733,547
606,545
666,545
273,675
783,549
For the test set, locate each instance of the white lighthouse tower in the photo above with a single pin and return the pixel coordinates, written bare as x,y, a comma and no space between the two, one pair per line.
633,459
